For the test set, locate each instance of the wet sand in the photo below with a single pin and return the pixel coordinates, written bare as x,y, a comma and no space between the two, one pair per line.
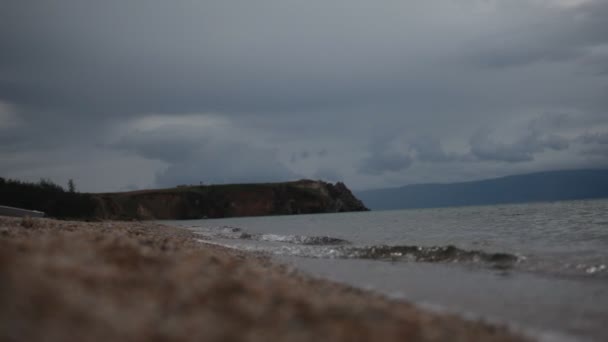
139,281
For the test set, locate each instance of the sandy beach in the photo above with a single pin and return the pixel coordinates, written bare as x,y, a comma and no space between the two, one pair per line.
139,281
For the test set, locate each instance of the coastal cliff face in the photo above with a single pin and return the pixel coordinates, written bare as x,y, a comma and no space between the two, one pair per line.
216,201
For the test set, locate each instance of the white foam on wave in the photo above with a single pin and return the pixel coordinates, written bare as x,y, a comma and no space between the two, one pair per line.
278,238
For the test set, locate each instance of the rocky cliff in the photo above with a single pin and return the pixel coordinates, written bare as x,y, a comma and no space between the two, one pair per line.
215,201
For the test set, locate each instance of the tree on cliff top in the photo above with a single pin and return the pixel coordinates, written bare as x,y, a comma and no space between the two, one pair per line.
71,186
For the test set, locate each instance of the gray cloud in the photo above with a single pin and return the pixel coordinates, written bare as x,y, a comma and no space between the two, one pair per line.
594,138
383,162
596,144
305,155
328,175
385,155
596,151
566,34
522,150
171,146
302,155
79,74
226,163
119,57
201,149
429,149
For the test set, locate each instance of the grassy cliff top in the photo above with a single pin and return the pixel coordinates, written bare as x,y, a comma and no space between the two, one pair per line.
225,187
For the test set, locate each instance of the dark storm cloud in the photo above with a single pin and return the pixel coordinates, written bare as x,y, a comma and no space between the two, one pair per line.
203,152
565,35
381,163
117,57
597,151
429,149
521,150
596,144
226,162
385,155
168,145
594,138
301,76
328,175
49,130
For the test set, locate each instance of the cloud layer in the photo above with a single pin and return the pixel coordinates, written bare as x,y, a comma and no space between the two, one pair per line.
376,94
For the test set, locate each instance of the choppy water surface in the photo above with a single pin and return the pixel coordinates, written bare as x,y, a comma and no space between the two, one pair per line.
541,266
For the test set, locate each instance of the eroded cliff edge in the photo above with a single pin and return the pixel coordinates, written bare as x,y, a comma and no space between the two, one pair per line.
232,200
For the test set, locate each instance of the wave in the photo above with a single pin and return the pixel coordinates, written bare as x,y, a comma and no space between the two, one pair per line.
447,253
302,240
332,247
228,232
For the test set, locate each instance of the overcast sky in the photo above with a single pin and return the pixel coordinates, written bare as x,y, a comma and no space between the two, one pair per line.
125,94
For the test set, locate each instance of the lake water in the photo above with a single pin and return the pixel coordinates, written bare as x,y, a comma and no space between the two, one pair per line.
540,267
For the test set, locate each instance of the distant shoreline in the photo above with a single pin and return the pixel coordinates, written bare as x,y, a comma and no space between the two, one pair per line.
548,186
144,281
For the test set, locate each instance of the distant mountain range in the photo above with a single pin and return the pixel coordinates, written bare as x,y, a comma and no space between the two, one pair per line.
532,187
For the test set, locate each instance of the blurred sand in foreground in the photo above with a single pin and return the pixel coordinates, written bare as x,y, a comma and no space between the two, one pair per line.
137,281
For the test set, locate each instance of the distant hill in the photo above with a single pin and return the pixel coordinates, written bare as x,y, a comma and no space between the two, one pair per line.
183,202
532,187
228,200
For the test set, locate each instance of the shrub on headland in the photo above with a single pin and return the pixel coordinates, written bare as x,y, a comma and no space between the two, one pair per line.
47,197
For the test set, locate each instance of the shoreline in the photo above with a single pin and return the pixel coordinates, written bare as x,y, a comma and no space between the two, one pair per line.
67,280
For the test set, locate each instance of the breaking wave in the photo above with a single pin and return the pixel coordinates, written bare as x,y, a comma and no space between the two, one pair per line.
303,240
331,247
227,232
430,254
